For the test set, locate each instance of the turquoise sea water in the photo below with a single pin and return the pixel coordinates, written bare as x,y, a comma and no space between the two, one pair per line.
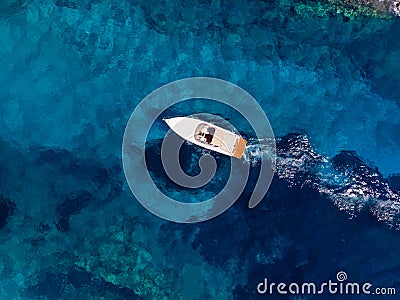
71,74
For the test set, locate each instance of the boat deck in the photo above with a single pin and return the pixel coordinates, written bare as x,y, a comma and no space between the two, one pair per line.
224,140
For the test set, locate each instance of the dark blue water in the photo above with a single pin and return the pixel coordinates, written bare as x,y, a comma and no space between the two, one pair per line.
71,74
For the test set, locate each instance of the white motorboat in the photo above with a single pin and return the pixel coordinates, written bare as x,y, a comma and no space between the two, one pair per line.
208,136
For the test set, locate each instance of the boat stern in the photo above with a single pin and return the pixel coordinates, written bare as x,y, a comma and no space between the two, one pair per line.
239,148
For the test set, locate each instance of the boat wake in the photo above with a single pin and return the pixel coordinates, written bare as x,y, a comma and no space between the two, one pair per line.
351,183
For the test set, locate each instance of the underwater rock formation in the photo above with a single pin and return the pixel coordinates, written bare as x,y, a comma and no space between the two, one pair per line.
6,209
350,9
74,203
54,285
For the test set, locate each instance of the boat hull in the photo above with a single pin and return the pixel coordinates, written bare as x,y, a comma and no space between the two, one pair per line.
208,136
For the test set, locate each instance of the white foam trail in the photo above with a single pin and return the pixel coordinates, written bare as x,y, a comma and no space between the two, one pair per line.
257,149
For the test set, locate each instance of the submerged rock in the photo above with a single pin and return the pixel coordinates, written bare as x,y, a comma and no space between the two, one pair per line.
6,209
349,9
74,203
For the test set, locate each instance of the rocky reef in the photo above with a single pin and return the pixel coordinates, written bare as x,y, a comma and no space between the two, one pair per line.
6,209
350,9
